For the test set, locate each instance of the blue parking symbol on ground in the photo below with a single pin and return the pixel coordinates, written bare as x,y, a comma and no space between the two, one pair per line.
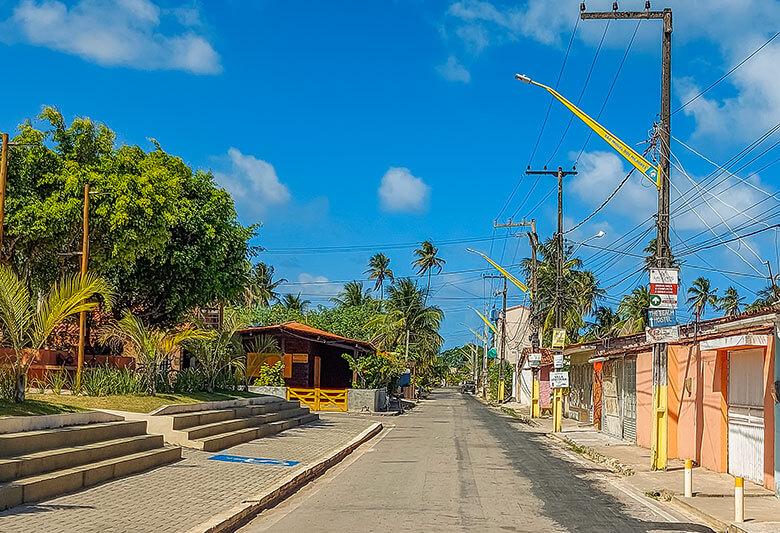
252,460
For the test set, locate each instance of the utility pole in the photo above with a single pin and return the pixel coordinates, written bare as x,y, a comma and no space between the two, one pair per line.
660,443
485,360
502,339
83,314
560,174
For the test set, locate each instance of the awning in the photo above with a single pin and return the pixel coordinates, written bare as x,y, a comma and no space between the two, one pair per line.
735,341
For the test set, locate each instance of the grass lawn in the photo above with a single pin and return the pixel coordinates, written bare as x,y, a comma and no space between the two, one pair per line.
47,404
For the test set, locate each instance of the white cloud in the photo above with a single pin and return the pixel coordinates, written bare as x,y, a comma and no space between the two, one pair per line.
402,192
253,182
452,70
314,287
125,33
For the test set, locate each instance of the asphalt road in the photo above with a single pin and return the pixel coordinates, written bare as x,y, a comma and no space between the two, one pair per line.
452,464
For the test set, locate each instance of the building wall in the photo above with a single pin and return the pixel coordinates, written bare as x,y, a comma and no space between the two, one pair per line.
776,420
644,399
769,419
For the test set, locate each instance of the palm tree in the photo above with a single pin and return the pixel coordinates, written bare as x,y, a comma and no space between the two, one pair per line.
604,325
148,346
260,288
426,261
731,302
633,311
26,321
352,295
701,294
222,349
294,303
766,297
378,269
651,260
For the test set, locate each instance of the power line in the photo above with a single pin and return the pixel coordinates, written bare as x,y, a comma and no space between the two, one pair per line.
372,247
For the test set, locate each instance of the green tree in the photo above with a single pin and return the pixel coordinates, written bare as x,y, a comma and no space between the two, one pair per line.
700,295
165,237
294,303
427,260
260,288
148,346
26,321
731,302
651,260
605,324
633,311
352,295
767,296
379,270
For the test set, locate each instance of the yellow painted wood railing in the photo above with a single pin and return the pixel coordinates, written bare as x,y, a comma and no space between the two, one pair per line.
320,399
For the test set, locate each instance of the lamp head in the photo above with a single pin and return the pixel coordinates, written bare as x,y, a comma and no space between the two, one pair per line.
523,78
600,234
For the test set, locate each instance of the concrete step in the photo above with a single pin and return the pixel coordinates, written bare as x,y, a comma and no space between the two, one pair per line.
62,458
26,442
199,418
228,426
281,421
42,486
270,407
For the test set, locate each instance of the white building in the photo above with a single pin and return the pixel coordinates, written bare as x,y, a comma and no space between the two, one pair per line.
518,331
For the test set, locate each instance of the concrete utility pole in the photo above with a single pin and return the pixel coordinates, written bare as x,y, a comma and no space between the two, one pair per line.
502,339
663,250
485,360
560,174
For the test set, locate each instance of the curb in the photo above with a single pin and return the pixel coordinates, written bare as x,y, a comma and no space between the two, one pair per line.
611,463
701,515
240,514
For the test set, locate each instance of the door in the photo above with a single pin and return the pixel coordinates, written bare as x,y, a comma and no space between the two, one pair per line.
628,399
610,409
746,414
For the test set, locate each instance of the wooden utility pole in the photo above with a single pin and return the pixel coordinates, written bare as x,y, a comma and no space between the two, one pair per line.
83,314
3,178
663,252
560,174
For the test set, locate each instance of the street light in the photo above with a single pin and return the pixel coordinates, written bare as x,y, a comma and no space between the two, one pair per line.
599,235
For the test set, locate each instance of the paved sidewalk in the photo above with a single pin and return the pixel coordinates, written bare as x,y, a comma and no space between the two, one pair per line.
183,495
713,499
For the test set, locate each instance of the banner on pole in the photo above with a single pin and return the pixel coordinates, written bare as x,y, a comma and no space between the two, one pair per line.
663,288
534,360
660,318
558,338
663,334
559,380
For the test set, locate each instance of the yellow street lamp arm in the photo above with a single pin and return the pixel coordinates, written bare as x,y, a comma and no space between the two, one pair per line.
649,170
520,285
488,322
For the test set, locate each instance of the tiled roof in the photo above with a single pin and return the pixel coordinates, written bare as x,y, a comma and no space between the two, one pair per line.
297,327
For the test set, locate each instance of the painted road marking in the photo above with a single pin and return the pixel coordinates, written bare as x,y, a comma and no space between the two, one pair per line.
252,460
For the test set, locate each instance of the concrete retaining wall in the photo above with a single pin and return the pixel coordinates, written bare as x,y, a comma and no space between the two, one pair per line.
16,424
281,392
367,399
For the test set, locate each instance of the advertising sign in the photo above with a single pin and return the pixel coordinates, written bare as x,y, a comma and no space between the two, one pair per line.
559,380
663,334
558,338
558,360
534,360
663,288
660,318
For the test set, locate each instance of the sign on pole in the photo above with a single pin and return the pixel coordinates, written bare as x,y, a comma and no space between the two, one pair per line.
558,338
534,360
558,360
559,380
662,317
663,334
663,288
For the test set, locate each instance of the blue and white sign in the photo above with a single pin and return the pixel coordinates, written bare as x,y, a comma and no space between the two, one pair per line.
252,460
660,318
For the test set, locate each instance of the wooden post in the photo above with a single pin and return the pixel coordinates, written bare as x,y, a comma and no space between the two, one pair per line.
83,314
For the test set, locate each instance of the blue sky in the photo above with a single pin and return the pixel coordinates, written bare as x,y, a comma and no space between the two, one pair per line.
372,125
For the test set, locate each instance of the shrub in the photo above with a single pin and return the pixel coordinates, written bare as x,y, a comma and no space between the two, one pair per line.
189,380
57,380
105,381
7,384
271,376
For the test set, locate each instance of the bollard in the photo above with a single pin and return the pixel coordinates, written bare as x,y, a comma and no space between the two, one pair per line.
688,478
739,500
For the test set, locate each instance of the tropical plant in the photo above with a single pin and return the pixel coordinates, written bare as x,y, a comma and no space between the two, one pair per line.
605,324
375,370
701,294
261,288
26,322
651,260
352,295
379,270
57,380
731,302
271,375
189,380
767,296
148,345
633,311
222,350
295,303
426,261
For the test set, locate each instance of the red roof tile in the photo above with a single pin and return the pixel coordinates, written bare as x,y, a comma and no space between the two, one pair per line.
297,327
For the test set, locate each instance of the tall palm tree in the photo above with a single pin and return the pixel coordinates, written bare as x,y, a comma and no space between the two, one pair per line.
294,303
700,295
731,302
426,261
651,260
633,311
150,347
261,287
26,321
767,296
604,325
379,270
352,295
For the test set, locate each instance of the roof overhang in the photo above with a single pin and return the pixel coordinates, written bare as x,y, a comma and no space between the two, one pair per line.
735,341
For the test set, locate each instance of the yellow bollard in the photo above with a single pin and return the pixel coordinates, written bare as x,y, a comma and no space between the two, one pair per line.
739,500
500,392
688,478
557,410
536,410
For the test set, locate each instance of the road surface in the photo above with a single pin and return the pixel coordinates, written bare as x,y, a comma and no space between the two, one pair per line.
453,464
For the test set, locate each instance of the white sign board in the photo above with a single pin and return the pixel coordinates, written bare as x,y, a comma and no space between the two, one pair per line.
534,360
663,334
558,360
559,380
663,288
